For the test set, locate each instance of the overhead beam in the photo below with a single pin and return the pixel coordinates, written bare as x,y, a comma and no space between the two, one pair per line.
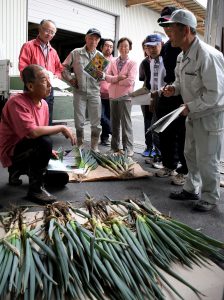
137,2
158,5
145,2
159,2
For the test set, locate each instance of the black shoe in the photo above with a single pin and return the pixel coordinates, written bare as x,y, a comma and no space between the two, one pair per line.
105,142
183,195
204,206
41,196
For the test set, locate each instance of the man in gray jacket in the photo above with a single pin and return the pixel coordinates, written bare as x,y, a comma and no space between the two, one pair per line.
200,81
86,90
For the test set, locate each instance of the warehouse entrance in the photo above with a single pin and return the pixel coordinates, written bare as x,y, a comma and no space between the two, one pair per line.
72,20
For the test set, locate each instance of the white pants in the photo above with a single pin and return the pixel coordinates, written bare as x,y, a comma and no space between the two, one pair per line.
202,152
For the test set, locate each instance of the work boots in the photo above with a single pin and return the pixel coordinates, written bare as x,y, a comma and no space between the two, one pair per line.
14,178
80,137
14,174
95,135
94,144
37,192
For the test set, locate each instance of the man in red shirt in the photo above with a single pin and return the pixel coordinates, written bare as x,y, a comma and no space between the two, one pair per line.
39,51
25,145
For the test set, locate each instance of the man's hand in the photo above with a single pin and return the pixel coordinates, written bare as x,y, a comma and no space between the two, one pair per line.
168,90
55,154
50,130
186,110
100,74
74,83
67,132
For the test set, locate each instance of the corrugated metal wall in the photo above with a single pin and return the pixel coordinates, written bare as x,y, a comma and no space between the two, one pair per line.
76,17
13,29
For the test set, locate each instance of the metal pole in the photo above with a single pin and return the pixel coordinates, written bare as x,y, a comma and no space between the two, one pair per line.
211,22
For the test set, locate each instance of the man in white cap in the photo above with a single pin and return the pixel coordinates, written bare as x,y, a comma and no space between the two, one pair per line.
86,90
200,81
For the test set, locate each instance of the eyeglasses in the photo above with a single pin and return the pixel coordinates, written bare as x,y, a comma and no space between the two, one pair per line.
48,31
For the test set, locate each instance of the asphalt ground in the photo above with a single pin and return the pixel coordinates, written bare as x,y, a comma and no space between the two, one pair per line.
157,189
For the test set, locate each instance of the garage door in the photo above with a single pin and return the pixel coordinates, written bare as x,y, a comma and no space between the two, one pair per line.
71,16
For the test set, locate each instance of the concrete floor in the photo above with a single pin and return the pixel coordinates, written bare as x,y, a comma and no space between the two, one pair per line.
157,189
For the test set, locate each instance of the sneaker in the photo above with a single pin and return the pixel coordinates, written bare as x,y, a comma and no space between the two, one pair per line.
146,152
221,183
183,195
179,179
165,172
157,164
154,153
204,206
105,142
153,163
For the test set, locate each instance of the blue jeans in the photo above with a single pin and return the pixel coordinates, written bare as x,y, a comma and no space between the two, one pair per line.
105,119
151,138
50,102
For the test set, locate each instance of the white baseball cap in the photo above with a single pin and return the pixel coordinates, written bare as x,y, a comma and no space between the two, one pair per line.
181,16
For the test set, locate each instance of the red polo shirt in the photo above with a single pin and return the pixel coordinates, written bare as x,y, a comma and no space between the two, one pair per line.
19,117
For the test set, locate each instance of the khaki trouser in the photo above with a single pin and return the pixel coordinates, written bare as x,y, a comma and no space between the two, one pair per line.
202,152
120,112
92,103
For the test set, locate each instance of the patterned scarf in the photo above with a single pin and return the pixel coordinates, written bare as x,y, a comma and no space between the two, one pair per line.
120,63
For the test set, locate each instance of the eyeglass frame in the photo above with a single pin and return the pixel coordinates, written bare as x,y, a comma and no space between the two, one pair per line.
52,33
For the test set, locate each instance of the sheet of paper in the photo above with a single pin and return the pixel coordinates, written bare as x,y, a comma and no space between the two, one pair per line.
142,91
57,83
164,122
141,99
58,165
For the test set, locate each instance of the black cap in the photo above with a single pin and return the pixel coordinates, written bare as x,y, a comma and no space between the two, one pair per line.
166,13
92,31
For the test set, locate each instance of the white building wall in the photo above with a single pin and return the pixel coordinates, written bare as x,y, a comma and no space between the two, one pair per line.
134,22
13,30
